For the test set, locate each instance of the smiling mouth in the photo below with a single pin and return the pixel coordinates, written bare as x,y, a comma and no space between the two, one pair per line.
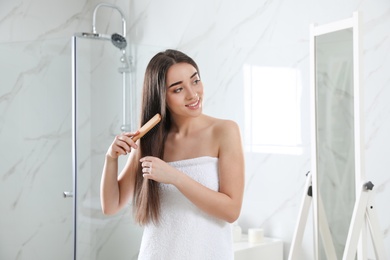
194,104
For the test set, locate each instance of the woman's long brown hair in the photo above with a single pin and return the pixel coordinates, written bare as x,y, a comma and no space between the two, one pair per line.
146,200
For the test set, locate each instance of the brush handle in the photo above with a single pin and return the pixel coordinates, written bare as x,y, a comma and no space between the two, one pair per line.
147,127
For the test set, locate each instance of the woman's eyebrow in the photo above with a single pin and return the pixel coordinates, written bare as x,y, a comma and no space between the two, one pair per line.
179,82
193,75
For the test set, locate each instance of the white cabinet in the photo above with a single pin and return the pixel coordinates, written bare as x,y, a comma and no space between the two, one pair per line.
269,249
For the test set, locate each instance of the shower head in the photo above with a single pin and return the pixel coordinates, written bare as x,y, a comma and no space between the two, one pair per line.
119,41
96,36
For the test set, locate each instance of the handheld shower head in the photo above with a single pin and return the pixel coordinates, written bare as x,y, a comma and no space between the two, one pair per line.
119,41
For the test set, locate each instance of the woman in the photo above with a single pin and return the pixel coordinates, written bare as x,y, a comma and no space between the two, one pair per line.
186,176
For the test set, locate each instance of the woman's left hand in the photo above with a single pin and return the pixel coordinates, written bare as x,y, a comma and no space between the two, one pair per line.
154,168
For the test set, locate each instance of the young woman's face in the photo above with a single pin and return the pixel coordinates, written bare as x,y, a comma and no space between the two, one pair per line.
184,90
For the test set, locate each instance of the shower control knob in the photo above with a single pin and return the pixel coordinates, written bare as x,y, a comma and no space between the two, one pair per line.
68,194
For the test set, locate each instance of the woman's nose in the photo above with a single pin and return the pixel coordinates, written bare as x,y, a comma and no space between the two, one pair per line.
191,95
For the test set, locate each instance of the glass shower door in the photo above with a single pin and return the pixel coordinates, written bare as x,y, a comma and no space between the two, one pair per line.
97,118
35,149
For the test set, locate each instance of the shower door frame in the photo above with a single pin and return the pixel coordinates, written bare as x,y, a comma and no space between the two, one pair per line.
130,116
74,143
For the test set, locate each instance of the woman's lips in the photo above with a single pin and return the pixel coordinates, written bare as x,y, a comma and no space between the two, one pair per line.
195,104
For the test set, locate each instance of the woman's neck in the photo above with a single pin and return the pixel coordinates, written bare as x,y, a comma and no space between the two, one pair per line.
186,126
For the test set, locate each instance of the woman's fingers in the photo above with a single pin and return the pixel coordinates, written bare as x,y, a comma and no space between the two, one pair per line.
156,169
131,134
122,144
147,166
127,141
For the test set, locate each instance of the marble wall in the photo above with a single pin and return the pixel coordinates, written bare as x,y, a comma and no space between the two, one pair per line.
232,41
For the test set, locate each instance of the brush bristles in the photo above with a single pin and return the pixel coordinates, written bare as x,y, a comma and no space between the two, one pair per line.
147,126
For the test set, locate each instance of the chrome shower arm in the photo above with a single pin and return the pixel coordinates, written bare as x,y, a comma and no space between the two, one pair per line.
113,7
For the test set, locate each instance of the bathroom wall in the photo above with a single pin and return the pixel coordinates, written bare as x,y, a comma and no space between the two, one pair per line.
233,42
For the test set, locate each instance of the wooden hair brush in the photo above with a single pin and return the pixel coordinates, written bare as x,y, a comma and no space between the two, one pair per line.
147,127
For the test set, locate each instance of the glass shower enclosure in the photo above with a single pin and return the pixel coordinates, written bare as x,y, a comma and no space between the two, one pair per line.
49,145
101,81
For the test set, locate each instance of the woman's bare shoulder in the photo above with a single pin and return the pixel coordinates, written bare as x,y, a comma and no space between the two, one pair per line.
223,127
226,137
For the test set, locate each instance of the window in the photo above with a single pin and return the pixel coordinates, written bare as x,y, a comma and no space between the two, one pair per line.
272,110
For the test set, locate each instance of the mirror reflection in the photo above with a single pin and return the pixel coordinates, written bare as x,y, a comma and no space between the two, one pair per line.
335,134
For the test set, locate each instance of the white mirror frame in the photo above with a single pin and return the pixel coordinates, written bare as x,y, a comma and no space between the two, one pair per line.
354,23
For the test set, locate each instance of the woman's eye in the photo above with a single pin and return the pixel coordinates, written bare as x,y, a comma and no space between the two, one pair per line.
196,81
178,90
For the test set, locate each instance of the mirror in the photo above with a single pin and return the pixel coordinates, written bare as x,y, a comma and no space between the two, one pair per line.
336,134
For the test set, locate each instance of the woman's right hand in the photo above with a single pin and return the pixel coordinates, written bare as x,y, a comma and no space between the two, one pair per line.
122,145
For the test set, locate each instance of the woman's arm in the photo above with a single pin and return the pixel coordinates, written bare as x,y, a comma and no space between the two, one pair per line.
116,191
225,203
